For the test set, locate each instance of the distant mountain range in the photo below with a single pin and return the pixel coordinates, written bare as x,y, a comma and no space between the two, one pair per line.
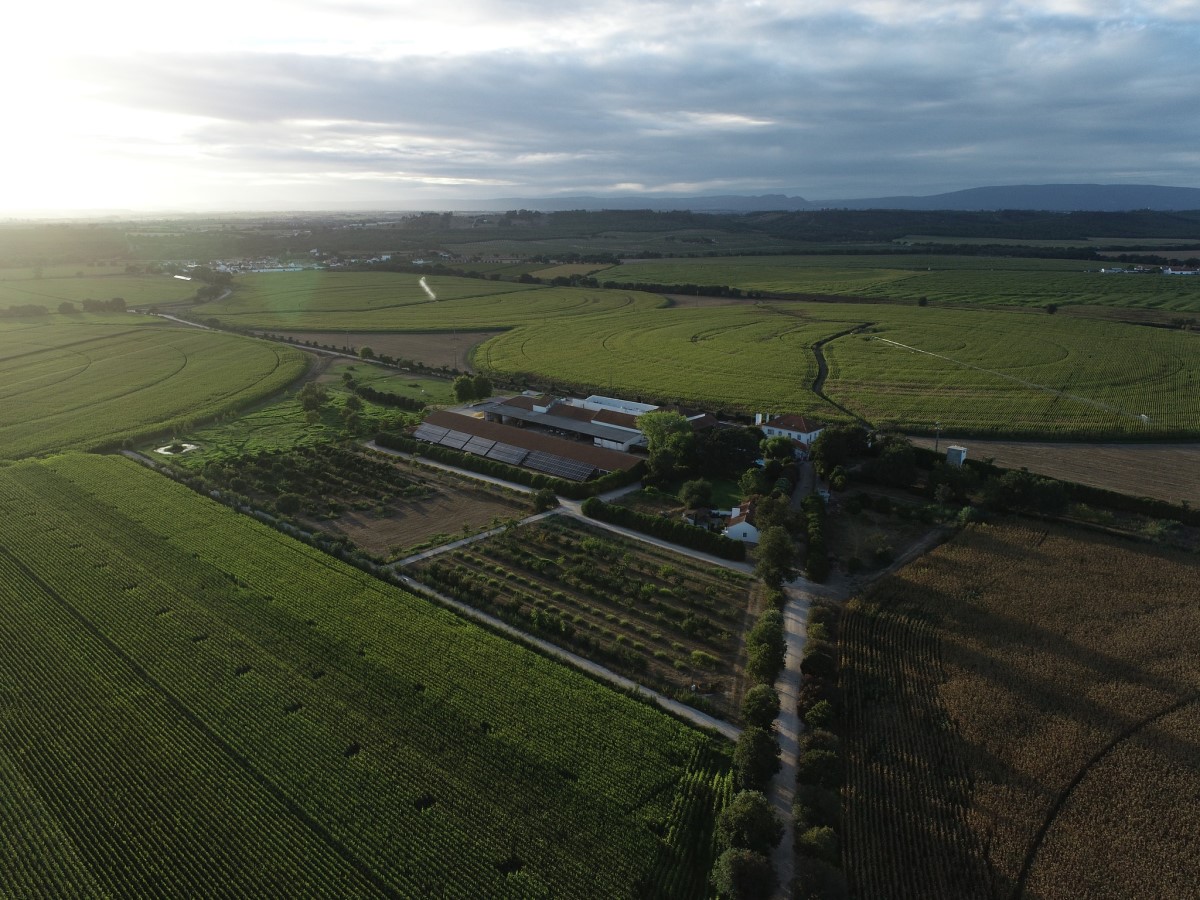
1053,197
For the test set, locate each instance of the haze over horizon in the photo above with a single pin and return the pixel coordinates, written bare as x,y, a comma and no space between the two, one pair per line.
321,104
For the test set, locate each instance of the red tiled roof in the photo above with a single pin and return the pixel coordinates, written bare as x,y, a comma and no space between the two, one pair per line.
520,402
527,439
793,422
567,411
613,417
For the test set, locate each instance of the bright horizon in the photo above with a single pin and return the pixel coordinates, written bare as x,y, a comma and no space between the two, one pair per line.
327,105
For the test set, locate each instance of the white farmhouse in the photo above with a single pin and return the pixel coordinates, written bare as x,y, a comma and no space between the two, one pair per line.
800,429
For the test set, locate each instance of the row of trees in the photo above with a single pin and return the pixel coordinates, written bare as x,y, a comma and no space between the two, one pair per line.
817,808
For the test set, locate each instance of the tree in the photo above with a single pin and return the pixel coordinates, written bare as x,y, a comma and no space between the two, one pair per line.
464,388
760,706
725,452
312,397
696,493
895,463
778,447
1051,308
749,822
544,499
483,386
755,759
743,875
837,445
366,353
775,553
669,443
67,308
354,403
753,481
288,504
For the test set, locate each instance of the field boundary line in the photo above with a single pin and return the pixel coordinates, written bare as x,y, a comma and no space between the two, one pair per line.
231,752
1065,795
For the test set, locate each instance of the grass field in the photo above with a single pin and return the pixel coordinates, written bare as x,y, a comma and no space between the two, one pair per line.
136,290
195,705
91,385
1021,712
386,301
984,281
976,371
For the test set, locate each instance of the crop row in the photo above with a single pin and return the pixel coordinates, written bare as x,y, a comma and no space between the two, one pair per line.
346,697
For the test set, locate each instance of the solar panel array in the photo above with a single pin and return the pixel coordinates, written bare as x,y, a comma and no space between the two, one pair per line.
550,463
558,466
507,453
479,446
430,433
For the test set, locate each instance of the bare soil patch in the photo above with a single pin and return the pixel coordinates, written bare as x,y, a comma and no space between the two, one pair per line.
452,512
437,349
1163,471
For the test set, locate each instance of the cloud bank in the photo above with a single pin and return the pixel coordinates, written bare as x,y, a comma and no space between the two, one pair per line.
325,103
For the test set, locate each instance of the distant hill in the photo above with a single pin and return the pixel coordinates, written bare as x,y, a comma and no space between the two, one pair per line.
1054,197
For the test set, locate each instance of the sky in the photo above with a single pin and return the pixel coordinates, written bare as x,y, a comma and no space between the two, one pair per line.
317,104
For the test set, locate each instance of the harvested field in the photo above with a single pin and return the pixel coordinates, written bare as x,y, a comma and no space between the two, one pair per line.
451,349
1164,471
1020,717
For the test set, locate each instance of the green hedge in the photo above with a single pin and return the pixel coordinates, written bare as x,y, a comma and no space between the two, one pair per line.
677,532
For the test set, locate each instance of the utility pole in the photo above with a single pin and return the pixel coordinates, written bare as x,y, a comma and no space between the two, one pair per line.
938,439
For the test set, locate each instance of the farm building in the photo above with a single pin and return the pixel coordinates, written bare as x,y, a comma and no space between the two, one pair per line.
562,458
800,429
607,422
741,525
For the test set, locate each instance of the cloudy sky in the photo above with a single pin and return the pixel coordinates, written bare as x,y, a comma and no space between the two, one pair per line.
307,104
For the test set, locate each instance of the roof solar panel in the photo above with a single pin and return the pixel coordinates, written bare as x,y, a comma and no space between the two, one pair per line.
479,446
559,466
431,433
455,439
507,453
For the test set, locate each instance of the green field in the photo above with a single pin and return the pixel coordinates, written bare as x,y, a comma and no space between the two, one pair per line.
986,281
386,301
136,290
87,385
1014,372
994,372
196,705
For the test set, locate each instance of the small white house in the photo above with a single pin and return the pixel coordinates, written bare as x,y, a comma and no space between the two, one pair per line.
955,455
741,526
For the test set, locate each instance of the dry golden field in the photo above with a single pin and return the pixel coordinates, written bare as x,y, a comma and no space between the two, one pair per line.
1023,720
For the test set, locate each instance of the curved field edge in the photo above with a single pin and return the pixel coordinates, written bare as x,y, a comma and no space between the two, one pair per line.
129,384
442,757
